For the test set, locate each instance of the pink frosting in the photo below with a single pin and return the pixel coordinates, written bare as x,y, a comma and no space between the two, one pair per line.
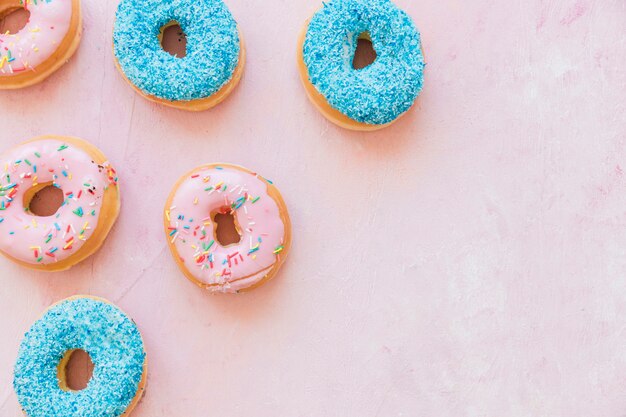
48,24
213,189
46,240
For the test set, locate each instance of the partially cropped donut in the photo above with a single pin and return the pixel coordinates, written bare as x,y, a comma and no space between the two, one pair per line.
260,217
198,81
49,39
114,345
91,202
369,98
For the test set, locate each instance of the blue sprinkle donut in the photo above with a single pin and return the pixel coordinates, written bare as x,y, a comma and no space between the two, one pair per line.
204,77
114,344
372,97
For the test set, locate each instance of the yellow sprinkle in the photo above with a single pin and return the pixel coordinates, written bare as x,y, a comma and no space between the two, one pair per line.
3,61
195,201
167,215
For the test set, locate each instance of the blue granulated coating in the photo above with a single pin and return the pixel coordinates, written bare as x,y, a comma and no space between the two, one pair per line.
381,92
111,339
212,47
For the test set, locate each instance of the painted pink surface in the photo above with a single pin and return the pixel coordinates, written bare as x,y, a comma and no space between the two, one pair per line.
468,261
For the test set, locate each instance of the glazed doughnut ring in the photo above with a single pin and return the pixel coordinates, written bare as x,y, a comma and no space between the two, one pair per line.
90,205
48,40
260,217
372,97
204,77
114,345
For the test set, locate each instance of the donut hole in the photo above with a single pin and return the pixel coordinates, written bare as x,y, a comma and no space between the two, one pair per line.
75,370
13,20
226,229
43,200
173,40
365,54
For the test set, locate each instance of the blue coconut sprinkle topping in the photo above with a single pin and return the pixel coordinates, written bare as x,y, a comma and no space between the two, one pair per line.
111,339
212,47
381,92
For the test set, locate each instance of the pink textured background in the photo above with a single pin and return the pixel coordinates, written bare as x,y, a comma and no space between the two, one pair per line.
468,261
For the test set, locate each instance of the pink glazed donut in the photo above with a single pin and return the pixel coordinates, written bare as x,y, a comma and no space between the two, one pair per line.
89,206
260,218
49,39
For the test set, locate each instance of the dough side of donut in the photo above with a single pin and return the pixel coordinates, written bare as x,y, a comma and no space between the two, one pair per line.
272,192
109,211
203,103
64,52
61,367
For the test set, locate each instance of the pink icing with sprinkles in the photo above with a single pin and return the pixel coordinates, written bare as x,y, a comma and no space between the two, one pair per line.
191,228
45,240
48,24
